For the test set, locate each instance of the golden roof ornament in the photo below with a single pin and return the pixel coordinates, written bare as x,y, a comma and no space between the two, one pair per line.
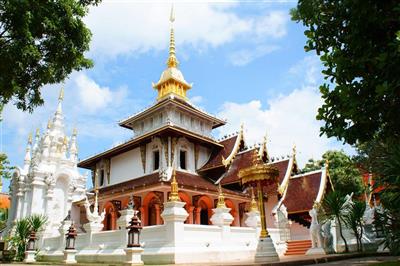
74,132
174,195
37,132
49,124
253,203
172,80
221,197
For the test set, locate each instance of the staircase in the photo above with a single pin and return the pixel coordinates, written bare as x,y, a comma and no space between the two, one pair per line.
297,247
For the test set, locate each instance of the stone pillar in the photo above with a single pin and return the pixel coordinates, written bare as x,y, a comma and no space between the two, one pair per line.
197,215
69,256
174,216
30,256
190,210
158,215
254,220
133,256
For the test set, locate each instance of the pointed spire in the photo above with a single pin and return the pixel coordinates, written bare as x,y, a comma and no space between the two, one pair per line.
27,158
253,203
221,197
174,196
73,149
172,61
61,95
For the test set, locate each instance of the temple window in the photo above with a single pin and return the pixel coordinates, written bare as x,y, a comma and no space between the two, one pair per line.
142,126
201,126
182,160
151,122
160,117
102,177
181,118
156,160
192,122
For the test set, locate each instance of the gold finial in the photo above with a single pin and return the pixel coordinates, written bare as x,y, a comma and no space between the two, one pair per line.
174,196
294,149
327,163
49,124
30,138
256,157
74,132
37,132
61,95
65,141
253,203
221,197
172,61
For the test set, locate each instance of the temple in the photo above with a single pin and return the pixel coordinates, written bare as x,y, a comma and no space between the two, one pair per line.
172,142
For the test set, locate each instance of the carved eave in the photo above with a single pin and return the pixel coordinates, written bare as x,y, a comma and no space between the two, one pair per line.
172,100
226,162
89,162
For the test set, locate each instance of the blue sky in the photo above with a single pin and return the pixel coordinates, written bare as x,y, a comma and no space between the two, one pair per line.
246,61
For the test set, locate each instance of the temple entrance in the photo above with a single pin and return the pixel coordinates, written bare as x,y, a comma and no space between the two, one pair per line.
203,213
153,211
204,217
108,222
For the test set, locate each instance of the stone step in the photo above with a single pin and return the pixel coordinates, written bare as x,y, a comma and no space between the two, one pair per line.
297,247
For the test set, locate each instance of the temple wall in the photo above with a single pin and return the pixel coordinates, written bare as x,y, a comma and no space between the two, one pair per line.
126,166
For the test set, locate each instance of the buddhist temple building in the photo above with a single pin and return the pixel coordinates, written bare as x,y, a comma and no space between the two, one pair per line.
175,134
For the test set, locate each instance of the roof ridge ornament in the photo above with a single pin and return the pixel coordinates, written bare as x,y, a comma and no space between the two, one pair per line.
221,197
174,195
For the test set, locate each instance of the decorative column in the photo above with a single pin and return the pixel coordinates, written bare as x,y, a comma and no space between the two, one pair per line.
174,214
70,251
253,216
222,216
259,175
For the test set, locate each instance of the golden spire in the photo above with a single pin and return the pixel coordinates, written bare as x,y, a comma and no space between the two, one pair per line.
61,95
74,132
253,203
172,61
172,80
37,132
221,197
294,149
49,124
174,196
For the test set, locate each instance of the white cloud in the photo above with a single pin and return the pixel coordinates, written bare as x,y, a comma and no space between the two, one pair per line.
132,27
288,119
308,70
245,56
92,96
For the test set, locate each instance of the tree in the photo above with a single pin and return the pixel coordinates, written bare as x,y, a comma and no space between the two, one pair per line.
358,43
353,219
41,42
343,172
332,207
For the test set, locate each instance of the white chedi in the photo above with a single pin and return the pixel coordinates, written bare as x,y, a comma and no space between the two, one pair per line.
49,181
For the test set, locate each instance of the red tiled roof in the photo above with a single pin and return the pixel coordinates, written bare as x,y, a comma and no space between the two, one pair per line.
217,155
302,192
241,161
282,167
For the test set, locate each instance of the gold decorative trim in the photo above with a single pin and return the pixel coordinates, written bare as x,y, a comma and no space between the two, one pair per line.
226,162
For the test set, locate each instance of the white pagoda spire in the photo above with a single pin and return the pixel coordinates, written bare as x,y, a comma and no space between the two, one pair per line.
27,159
73,148
58,120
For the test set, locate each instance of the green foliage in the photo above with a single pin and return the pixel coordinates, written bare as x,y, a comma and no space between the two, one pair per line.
343,172
41,42
353,219
332,207
3,218
387,222
37,221
358,44
23,228
5,168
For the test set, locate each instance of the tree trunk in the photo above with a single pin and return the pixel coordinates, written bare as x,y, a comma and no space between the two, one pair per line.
346,248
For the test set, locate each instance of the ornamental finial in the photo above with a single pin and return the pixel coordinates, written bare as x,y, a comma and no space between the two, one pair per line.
30,138
61,95
294,149
49,124
221,197
174,196
37,133
253,203
172,61
74,132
